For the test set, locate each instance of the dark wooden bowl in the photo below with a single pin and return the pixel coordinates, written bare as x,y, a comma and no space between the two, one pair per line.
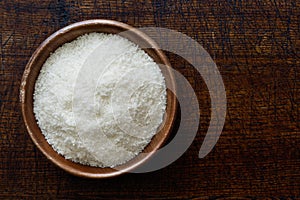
31,73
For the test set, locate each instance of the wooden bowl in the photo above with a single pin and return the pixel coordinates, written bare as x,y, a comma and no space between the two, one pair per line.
31,73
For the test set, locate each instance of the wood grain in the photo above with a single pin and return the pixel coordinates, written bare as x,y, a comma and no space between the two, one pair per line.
256,46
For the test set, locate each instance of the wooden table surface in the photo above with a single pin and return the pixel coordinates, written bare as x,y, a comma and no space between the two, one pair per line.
256,46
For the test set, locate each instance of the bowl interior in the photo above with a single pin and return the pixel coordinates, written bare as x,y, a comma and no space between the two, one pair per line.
68,34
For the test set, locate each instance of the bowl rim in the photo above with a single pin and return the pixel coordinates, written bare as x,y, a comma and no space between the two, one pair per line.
24,97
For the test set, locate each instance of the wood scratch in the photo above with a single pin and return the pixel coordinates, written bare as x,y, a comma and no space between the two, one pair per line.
7,40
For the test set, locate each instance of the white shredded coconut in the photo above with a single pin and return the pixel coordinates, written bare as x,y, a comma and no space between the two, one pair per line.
129,100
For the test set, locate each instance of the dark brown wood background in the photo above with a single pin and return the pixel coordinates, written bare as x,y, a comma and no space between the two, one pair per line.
256,45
